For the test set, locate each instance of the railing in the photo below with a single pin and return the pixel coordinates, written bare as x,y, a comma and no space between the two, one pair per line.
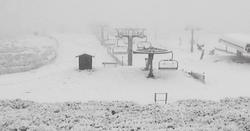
165,95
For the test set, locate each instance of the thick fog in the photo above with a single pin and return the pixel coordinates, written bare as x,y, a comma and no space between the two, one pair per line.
24,16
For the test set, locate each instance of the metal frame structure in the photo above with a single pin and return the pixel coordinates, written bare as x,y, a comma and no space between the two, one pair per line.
239,46
130,34
151,51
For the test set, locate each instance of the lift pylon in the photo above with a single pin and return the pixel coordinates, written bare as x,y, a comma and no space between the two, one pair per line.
130,34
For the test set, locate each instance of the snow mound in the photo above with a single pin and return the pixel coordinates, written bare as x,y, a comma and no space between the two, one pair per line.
26,53
229,114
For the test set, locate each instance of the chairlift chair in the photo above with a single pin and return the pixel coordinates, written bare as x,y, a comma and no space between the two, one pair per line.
140,45
120,42
168,64
119,50
143,44
110,42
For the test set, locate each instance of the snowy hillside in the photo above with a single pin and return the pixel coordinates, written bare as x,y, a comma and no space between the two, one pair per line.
62,81
26,53
192,105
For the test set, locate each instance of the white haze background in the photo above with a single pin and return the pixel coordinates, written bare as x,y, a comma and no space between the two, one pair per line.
25,16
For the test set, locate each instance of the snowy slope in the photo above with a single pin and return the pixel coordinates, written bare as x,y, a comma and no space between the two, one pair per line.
55,75
61,80
26,53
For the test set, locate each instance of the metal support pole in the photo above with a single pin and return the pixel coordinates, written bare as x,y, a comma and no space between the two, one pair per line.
155,97
102,35
202,54
147,65
122,61
150,62
130,50
192,40
166,98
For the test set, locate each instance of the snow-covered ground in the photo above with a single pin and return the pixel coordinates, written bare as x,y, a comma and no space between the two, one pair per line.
62,81
187,115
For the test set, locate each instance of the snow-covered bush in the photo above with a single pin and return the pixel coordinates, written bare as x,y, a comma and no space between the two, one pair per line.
15,104
229,114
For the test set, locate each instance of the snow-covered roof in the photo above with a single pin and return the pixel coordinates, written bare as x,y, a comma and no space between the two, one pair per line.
85,54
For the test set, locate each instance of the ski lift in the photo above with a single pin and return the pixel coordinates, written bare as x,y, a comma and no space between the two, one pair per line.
143,44
151,51
120,42
110,42
120,50
168,64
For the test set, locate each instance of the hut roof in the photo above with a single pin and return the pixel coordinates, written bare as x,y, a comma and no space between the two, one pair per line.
84,54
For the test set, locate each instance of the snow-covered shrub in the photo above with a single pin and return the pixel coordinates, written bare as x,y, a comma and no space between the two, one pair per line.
15,104
229,114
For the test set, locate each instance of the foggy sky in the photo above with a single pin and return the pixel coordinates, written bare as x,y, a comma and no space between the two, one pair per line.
22,16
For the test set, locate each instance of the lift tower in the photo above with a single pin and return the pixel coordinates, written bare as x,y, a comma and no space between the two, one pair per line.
103,33
130,33
192,30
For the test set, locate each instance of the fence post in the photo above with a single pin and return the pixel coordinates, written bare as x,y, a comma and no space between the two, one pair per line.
155,97
122,60
166,98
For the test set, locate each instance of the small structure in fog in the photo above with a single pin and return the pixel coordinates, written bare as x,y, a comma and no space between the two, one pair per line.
85,61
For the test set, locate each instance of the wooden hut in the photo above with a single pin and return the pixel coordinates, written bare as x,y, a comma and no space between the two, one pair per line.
85,61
